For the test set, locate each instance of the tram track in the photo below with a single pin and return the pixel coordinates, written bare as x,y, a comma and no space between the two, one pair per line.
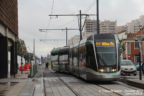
91,88
122,89
110,90
44,84
70,88
73,86
44,88
103,88
126,85
77,94
62,82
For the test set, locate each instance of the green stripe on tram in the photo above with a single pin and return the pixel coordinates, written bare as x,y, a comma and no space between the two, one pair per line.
66,50
54,52
83,44
88,43
107,73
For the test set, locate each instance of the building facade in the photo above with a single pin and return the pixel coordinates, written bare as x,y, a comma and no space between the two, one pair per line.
105,27
75,39
120,29
8,37
108,26
135,25
89,28
132,48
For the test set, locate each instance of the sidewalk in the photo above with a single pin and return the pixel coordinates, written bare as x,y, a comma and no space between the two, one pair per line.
12,86
15,90
18,77
34,84
21,85
24,75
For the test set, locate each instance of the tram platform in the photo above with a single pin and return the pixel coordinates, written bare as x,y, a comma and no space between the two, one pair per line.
134,81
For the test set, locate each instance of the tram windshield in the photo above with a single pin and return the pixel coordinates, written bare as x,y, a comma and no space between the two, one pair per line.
106,52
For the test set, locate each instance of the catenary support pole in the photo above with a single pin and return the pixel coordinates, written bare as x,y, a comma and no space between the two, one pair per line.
80,28
97,8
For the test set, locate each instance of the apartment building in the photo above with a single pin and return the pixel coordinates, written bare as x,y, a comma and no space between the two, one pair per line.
108,26
105,27
8,37
135,25
75,39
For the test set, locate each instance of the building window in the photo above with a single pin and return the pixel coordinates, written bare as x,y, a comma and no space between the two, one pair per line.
136,59
136,45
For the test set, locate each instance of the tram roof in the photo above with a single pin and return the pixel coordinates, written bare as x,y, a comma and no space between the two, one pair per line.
64,49
101,36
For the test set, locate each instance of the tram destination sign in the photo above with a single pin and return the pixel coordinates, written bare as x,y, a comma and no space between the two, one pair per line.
105,43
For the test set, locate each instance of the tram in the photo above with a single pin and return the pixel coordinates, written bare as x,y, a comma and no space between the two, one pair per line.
55,59
64,59
60,59
95,58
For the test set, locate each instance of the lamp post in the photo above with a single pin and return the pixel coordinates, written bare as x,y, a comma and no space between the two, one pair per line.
140,60
21,58
140,67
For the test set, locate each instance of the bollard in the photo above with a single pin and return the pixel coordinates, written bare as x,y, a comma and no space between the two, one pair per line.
33,70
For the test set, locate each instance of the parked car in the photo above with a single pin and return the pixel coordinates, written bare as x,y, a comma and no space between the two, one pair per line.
128,68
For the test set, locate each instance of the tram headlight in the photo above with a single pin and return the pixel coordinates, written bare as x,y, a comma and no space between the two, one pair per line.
113,70
101,70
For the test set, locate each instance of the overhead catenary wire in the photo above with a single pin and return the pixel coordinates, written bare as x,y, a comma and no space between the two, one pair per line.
79,21
66,29
52,8
90,6
68,22
53,40
51,12
84,23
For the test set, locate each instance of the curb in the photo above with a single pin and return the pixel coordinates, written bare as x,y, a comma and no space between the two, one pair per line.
133,83
28,89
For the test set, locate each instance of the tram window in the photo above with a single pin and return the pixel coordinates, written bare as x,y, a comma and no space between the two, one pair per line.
75,52
70,53
91,57
82,52
90,38
106,52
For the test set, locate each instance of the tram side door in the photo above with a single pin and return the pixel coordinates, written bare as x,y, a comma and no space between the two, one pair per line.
82,62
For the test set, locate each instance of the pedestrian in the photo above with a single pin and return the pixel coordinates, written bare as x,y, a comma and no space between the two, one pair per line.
46,64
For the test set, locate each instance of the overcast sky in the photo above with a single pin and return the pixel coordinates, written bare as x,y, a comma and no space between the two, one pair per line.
33,15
